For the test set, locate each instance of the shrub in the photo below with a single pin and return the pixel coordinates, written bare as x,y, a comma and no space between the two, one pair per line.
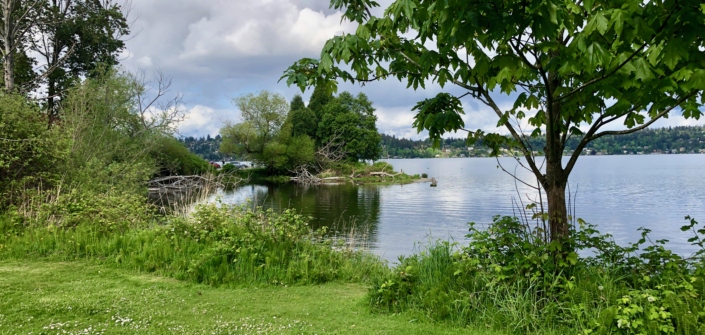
173,158
508,278
29,152
229,168
424,175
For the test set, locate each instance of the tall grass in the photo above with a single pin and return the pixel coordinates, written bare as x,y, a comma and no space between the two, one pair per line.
217,245
502,281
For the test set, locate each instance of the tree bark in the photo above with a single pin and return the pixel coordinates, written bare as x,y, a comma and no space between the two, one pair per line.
556,178
9,70
557,213
8,40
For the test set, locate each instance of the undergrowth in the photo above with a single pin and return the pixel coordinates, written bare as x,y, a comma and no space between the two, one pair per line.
216,245
508,278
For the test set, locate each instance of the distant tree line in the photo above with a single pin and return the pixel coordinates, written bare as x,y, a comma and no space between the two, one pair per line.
682,139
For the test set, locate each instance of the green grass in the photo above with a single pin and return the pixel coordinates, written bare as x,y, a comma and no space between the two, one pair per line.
77,296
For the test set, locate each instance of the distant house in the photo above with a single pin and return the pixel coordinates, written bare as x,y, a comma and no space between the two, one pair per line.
681,149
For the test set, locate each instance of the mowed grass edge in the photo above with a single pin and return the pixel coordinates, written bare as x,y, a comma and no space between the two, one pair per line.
40,297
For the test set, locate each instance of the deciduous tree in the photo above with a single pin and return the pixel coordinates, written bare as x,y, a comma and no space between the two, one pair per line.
262,117
573,68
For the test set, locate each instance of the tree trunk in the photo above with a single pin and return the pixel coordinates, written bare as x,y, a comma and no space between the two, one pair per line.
9,69
9,60
557,213
554,183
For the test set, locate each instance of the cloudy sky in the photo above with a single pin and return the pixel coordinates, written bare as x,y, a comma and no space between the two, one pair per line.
218,49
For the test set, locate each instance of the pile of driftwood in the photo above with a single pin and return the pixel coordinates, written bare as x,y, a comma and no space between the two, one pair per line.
385,174
183,183
304,176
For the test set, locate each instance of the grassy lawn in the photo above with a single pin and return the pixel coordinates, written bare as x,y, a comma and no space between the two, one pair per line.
84,298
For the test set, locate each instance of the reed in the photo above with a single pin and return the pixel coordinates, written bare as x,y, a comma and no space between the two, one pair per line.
215,244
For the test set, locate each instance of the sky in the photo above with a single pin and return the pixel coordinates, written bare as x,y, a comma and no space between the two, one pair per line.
216,50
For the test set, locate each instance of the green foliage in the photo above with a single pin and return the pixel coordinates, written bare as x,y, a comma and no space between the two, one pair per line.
647,141
28,151
206,147
110,143
297,103
350,121
439,115
508,278
362,169
303,122
100,212
290,141
216,245
93,32
578,65
173,158
24,69
319,99
263,115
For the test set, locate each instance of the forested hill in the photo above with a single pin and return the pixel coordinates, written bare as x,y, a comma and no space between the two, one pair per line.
204,147
659,140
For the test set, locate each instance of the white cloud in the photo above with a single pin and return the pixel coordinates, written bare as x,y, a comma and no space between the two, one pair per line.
218,49
202,120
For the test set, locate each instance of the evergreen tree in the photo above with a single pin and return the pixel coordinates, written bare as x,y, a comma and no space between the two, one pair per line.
297,103
319,99
303,122
351,120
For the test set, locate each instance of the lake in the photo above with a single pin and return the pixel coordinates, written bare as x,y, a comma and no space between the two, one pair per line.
617,193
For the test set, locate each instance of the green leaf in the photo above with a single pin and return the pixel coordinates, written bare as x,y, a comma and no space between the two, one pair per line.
601,23
617,19
643,70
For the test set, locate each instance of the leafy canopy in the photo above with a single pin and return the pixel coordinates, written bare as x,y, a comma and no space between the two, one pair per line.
349,121
571,67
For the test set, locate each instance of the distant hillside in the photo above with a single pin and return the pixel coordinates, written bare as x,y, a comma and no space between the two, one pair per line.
204,147
660,140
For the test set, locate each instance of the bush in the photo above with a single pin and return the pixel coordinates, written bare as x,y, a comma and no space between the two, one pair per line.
173,158
424,175
229,169
29,153
508,278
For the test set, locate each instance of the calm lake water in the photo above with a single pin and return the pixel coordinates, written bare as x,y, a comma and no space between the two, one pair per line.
617,193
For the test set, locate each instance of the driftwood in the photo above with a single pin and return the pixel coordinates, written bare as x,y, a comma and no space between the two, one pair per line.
304,176
176,183
180,183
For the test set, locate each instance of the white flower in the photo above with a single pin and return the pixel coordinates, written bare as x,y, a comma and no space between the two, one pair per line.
600,288
651,299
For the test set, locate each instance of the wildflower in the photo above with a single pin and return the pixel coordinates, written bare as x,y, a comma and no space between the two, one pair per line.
651,299
600,288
